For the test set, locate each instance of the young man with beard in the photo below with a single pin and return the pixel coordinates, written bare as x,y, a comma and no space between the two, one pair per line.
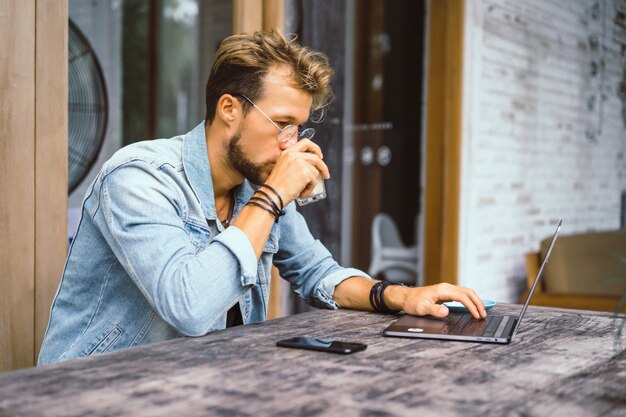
177,236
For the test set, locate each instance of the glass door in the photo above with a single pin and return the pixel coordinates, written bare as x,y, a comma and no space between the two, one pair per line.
373,135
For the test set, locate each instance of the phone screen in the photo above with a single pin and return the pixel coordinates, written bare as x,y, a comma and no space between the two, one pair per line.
322,344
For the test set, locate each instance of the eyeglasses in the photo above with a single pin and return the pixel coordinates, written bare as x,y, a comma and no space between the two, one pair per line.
288,134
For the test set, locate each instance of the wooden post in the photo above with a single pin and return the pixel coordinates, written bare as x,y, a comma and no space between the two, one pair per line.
17,183
51,121
33,171
250,16
247,16
443,141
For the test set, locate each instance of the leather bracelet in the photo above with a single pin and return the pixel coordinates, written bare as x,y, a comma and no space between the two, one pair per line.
382,296
372,292
377,296
269,187
270,211
269,200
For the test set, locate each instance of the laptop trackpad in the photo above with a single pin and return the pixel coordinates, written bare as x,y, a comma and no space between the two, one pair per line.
434,325
415,324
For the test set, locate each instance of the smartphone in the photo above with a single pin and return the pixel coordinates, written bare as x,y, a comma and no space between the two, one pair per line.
321,344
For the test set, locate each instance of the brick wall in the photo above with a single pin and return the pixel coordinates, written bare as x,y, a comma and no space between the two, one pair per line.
544,131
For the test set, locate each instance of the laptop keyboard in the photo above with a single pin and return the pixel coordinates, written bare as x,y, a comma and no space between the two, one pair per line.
467,325
492,325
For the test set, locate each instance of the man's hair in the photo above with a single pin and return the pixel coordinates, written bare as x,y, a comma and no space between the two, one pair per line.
243,60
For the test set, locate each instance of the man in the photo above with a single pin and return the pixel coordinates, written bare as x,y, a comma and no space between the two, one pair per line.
177,236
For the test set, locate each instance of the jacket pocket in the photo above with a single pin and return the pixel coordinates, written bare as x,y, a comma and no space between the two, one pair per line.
104,341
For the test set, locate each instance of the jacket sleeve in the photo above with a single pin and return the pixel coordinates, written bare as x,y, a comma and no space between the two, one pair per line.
306,263
140,214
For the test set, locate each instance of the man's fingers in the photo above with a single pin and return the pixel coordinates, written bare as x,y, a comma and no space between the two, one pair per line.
321,167
424,300
472,301
439,310
307,145
427,307
477,301
467,302
466,296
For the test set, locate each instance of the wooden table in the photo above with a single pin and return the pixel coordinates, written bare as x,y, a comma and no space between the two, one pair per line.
562,363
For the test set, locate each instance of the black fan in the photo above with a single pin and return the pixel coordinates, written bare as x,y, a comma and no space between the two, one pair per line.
87,107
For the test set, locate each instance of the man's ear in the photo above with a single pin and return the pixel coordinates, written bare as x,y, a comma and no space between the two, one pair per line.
228,110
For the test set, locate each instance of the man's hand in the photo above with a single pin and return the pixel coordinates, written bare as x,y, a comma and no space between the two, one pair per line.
422,301
354,293
297,170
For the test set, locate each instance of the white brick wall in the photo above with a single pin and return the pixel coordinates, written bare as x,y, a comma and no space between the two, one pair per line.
544,131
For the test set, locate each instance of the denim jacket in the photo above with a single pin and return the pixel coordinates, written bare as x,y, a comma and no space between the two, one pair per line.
151,261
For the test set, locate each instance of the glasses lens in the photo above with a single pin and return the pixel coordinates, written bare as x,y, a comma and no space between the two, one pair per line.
307,133
287,134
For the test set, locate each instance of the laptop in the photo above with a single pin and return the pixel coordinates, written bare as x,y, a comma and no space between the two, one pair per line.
462,326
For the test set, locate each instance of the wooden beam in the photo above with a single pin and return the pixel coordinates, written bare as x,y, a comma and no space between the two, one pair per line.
17,183
274,14
50,156
250,16
274,18
247,16
443,141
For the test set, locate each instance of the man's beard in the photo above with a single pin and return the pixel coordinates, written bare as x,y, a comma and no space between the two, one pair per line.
256,173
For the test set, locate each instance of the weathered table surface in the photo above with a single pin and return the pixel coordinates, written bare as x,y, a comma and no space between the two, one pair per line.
562,363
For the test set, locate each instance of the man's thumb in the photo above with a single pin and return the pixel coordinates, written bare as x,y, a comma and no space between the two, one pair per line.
439,310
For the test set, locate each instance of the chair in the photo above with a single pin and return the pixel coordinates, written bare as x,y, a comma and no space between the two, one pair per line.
585,272
390,256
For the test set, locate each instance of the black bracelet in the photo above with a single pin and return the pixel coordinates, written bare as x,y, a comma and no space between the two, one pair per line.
270,211
372,291
383,308
264,201
377,296
382,296
269,200
269,187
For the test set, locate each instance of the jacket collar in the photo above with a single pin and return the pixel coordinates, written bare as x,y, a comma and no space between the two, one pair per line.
198,171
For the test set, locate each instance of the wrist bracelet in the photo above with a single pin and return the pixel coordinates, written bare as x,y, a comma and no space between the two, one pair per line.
266,202
372,296
269,210
264,198
271,202
377,296
269,187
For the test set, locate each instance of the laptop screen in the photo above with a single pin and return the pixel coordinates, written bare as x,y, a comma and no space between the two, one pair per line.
532,289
